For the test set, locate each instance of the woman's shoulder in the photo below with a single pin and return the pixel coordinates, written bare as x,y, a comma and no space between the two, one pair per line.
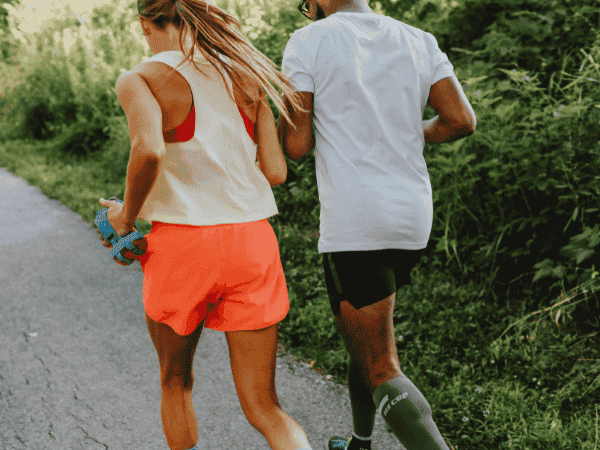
154,71
168,85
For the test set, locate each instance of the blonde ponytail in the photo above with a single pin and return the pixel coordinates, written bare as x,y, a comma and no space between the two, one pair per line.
213,33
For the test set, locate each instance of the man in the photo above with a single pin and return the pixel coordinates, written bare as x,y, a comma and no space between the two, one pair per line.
367,78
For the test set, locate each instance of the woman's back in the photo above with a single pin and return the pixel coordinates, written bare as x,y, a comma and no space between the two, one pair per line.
175,99
175,96
207,173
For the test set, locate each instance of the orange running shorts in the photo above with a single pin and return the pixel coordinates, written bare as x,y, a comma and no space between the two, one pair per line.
235,266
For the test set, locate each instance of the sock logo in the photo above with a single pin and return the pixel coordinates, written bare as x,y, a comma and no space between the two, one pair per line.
382,404
393,402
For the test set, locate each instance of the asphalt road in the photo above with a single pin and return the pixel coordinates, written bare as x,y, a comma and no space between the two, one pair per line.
77,367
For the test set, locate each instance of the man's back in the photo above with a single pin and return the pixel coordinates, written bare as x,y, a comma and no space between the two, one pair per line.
371,76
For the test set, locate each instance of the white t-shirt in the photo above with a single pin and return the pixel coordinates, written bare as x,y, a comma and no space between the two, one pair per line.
371,76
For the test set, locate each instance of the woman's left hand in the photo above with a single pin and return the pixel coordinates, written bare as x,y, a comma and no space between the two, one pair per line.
116,219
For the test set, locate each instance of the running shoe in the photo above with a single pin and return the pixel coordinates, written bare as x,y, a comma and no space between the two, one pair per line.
338,443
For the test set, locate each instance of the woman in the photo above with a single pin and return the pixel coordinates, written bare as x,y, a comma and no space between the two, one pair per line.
196,180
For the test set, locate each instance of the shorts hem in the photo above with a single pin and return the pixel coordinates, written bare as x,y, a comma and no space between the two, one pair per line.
245,329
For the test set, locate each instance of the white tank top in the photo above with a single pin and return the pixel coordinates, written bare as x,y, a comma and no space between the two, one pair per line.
212,178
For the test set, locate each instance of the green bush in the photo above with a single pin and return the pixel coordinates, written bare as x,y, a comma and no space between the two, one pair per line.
9,45
69,90
533,35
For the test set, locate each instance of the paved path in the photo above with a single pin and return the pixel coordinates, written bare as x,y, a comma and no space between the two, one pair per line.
78,370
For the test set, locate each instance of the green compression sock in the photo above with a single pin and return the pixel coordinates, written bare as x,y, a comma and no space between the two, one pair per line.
408,414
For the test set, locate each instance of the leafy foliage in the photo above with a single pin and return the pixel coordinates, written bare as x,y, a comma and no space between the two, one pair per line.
9,45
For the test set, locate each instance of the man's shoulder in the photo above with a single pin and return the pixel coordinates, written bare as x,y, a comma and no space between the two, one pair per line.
325,25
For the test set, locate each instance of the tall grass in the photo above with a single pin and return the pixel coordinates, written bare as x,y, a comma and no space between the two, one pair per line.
500,327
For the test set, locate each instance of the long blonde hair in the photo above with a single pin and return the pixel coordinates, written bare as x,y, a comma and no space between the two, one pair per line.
212,31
